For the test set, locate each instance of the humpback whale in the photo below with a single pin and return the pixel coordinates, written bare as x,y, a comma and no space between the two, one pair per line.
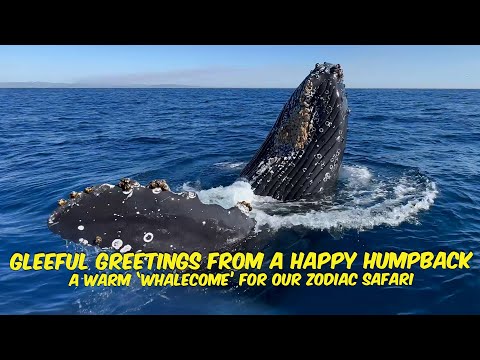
300,158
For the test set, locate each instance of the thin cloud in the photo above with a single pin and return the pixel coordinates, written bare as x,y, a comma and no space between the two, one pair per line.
271,76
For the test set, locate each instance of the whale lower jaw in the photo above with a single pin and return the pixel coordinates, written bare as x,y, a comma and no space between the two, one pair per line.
303,152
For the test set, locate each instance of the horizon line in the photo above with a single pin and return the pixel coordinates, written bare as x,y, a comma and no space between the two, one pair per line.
173,86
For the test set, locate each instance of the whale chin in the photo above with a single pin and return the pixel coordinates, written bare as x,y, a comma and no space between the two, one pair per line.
302,154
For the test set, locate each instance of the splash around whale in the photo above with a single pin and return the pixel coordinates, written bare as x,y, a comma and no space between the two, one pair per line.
299,159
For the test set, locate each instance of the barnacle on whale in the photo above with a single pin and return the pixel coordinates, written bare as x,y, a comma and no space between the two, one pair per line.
127,184
62,202
74,195
159,184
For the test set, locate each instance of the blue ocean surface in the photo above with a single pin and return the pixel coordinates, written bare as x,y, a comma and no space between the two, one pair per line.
410,181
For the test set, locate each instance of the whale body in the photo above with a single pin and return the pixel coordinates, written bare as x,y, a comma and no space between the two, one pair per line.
300,158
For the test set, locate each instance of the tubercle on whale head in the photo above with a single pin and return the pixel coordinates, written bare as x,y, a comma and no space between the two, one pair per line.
335,70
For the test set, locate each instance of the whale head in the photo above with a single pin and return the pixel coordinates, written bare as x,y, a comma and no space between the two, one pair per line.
309,133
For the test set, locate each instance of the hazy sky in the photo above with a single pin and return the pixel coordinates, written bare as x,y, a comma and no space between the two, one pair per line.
242,65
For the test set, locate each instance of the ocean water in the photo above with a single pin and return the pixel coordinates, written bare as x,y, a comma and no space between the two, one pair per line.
410,181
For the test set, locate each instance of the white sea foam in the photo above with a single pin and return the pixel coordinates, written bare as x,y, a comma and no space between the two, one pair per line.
362,202
356,175
230,165
390,212
225,196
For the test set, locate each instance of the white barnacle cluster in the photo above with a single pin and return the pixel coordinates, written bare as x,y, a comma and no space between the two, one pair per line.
117,244
51,217
243,208
147,237
125,249
265,166
188,194
333,164
326,177
288,162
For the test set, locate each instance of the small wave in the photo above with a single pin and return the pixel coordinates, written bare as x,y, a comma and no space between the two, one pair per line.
230,165
149,140
362,201
356,175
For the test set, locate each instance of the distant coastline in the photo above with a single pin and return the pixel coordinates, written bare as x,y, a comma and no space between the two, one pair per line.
53,85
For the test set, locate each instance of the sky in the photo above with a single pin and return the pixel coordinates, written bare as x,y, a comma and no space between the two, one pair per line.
376,66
